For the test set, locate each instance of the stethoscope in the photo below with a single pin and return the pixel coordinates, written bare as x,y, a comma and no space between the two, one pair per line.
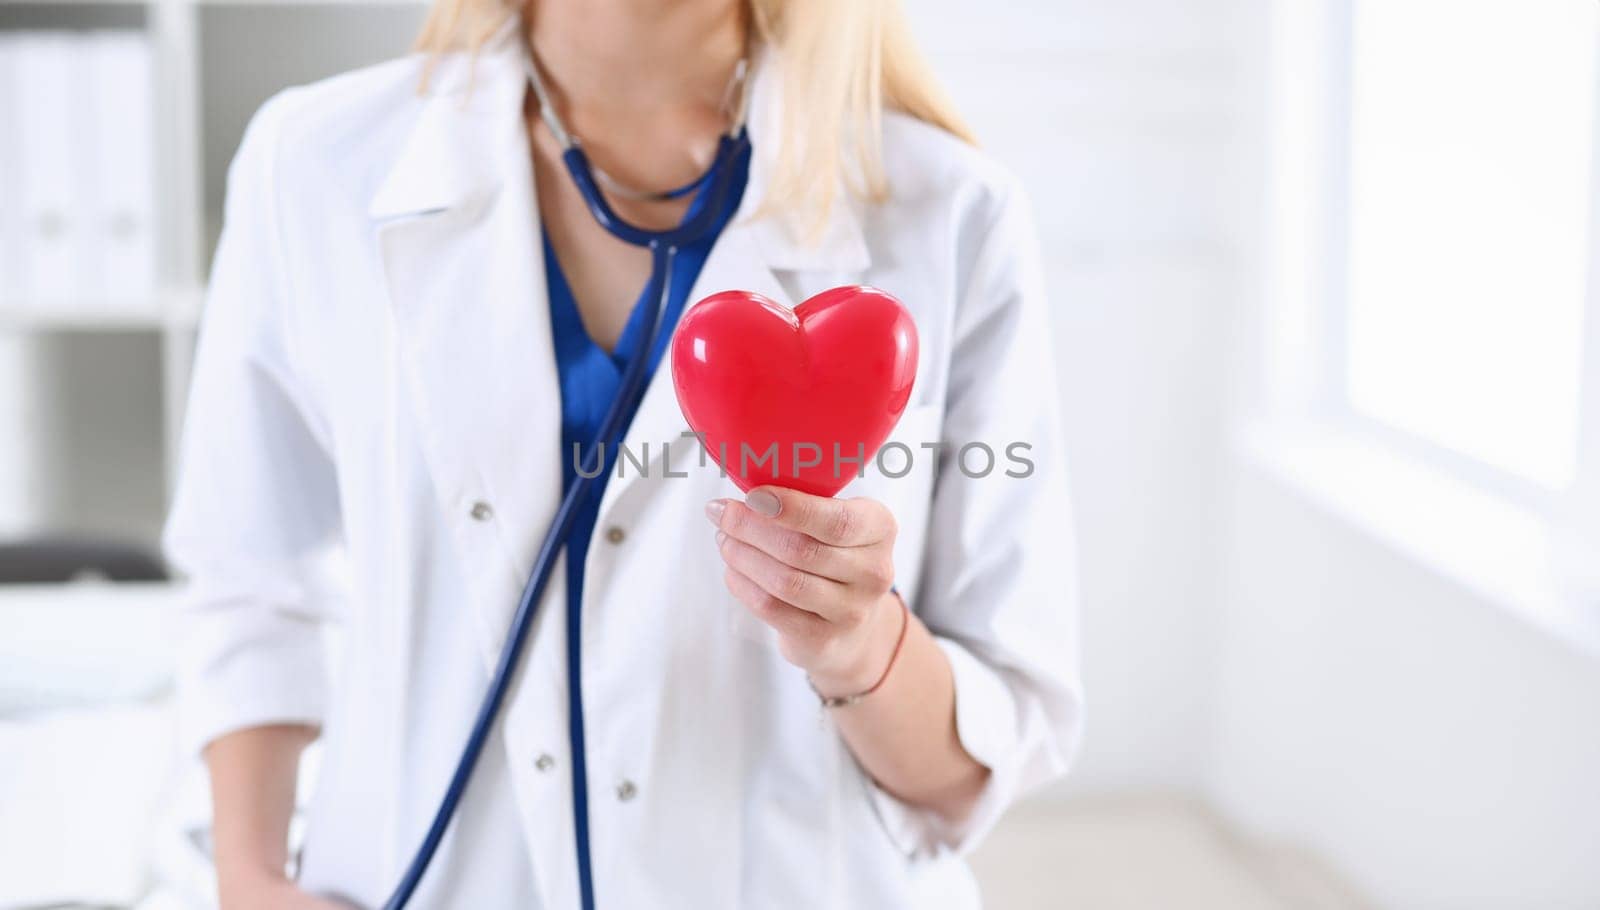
663,245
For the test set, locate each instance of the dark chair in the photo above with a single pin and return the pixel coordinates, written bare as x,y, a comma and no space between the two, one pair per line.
50,560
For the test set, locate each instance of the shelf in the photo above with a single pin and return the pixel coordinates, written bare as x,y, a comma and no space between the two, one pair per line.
93,386
47,4
172,310
72,15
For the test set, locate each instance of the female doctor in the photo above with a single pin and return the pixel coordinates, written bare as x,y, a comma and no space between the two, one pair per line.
773,700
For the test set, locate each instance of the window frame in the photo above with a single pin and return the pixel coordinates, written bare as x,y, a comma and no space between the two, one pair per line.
1585,498
1332,400
1292,415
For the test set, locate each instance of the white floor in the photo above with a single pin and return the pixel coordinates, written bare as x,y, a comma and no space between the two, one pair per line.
1144,854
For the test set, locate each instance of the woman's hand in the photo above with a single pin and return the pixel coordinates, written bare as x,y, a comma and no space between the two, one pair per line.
819,571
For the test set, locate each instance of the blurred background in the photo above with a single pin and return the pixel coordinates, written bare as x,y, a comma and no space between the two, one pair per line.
1328,319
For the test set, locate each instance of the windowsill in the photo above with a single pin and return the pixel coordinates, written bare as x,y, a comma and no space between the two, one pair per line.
1498,550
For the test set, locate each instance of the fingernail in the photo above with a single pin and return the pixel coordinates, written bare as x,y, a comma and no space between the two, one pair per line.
721,536
714,510
763,502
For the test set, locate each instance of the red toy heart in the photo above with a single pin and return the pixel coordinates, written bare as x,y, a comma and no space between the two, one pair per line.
800,398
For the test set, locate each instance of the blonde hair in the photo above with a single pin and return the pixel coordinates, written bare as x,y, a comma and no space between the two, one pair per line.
844,62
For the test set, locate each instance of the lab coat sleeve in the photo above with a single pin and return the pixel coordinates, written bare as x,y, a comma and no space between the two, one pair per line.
998,583
255,505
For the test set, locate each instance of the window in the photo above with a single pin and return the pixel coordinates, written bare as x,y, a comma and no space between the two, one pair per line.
1471,160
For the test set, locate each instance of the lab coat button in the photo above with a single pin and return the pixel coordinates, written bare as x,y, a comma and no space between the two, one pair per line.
481,511
626,791
615,534
544,762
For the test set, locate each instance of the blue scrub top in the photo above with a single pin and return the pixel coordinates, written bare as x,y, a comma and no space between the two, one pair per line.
589,379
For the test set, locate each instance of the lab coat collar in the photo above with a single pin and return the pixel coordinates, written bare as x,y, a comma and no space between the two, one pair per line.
445,163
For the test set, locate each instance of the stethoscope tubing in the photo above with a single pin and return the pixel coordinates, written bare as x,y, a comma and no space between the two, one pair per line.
663,246
693,228
544,565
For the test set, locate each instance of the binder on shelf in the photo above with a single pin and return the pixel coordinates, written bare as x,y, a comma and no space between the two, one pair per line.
121,216
10,185
53,199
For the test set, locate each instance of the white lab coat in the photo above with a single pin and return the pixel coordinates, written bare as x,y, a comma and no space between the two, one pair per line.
375,377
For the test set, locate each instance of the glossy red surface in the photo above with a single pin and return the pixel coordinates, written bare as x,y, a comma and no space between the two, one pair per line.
836,371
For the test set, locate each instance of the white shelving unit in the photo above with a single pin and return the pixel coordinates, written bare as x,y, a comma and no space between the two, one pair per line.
98,387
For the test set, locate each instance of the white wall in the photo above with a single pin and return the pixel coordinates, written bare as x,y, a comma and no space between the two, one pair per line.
1243,644
1437,749
1120,118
